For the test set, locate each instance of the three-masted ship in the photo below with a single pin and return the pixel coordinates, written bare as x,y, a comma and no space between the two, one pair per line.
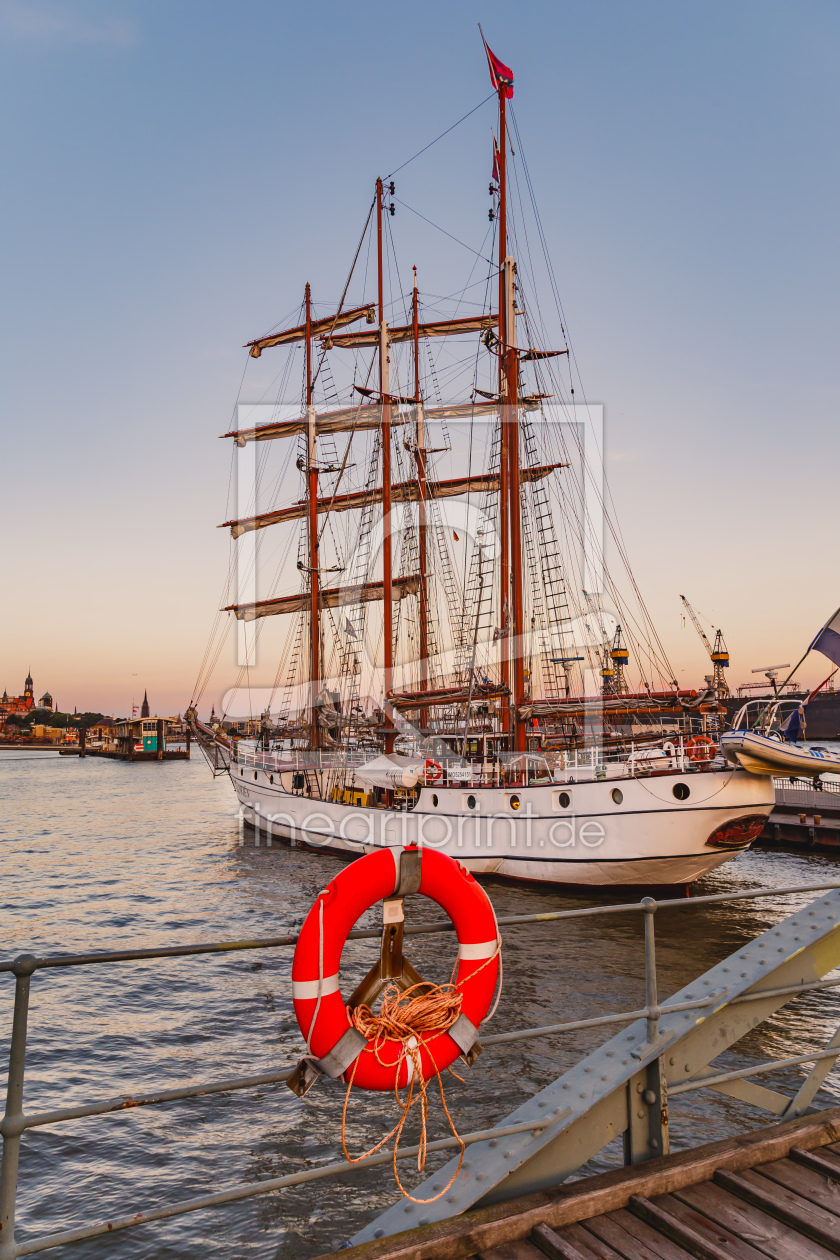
477,702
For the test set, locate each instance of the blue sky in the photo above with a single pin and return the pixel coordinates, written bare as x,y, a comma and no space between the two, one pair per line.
175,173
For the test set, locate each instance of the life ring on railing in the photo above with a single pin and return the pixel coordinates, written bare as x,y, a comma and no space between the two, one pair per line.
433,770
337,1048
700,748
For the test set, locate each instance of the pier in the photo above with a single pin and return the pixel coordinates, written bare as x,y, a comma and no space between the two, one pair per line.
805,816
141,739
774,1192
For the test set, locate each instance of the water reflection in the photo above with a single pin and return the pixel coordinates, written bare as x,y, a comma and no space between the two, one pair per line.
100,855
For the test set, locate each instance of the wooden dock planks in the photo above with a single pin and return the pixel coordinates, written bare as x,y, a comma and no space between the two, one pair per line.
773,1193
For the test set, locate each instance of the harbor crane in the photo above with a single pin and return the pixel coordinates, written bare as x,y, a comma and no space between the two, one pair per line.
615,661
717,651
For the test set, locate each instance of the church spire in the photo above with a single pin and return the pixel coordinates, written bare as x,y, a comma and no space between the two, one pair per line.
144,708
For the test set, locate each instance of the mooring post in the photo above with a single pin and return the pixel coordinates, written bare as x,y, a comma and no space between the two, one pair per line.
11,1125
160,739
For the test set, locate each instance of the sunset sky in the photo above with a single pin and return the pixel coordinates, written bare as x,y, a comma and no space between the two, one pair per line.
174,174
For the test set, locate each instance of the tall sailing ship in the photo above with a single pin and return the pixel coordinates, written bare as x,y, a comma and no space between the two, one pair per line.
473,693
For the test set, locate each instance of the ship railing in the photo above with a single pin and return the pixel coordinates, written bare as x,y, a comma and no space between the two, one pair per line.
500,770
648,1041
503,770
299,759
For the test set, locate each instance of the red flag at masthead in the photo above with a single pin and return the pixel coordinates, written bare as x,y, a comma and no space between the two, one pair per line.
501,76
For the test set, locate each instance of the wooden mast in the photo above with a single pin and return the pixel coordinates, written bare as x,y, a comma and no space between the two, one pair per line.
312,496
510,506
504,467
384,399
517,629
420,456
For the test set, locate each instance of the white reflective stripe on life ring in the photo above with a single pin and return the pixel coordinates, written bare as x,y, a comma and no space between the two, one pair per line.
411,1044
481,949
303,989
396,853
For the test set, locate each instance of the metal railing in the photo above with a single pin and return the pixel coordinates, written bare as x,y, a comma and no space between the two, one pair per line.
584,765
299,759
827,788
501,769
16,1122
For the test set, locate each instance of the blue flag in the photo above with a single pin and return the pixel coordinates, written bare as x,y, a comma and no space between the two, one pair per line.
794,727
828,639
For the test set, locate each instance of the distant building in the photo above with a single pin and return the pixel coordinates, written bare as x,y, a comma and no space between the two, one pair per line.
19,705
140,733
46,701
103,732
144,708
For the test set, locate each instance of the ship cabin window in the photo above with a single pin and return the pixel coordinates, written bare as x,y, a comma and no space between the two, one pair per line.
471,802
255,776
241,772
562,800
435,799
681,791
617,795
271,778
514,802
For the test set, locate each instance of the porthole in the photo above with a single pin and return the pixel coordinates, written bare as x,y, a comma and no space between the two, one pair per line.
471,802
255,776
271,778
617,795
515,802
241,772
564,800
681,791
435,799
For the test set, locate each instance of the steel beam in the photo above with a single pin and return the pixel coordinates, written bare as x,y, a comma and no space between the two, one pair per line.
801,950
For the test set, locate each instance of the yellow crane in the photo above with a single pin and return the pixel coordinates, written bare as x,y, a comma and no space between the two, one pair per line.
718,653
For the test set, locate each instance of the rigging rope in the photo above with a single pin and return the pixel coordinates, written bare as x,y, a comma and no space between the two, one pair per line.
491,97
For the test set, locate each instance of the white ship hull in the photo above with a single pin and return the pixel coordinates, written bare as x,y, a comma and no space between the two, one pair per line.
559,833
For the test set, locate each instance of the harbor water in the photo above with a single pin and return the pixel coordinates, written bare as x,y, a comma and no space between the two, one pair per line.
100,855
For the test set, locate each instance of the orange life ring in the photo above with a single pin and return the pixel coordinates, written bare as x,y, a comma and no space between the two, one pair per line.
324,1021
433,770
700,747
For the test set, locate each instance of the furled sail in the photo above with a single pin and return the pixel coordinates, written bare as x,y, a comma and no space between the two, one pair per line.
448,695
332,597
355,419
405,332
403,492
316,328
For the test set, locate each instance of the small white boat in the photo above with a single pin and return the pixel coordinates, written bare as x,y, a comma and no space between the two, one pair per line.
763,754
764,746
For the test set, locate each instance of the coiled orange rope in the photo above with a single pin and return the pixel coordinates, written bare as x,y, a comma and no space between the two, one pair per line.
406,1018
